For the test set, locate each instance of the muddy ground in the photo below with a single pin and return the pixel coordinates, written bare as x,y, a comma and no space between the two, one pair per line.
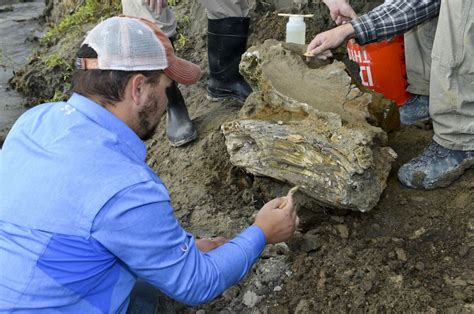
15,48
412,252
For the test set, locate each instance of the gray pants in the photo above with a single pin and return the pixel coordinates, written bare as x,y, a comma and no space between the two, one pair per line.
216,9
440,63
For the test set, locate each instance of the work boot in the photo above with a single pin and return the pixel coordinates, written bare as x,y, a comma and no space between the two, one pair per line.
416,109
179,127
436,167
226,42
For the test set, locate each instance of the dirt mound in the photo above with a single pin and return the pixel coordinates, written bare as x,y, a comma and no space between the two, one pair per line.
413,252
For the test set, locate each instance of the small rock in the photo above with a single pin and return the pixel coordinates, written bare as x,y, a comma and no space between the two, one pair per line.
459,295
397,280
339,219
448,259
347,275
469,307
276,250
469,277
311,243
401,255
456,282
418,233
200,312
367,285
396,240
350,252
277,288
463,250
250,298
302,307
420,266
247,197
403,201
470,224
231,293
343,231
418,199
395,265
322,280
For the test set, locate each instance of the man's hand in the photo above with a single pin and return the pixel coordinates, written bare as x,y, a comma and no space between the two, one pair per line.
278,224
206,245
156,6
341,11
331,39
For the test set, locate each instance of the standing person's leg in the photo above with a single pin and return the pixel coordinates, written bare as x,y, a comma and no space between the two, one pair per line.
227,35
451,101
219,9
179,127
166,21
418,47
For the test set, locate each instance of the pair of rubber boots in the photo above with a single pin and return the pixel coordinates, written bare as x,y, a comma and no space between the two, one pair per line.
226,42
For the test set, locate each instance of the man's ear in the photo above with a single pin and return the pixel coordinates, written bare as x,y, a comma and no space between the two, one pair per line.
137,84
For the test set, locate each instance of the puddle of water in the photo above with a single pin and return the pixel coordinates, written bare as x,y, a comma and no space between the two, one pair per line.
18,21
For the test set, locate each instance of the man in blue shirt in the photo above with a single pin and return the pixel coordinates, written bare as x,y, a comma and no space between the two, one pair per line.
82,216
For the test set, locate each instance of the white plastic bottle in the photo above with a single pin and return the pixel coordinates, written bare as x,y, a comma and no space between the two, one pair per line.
296,30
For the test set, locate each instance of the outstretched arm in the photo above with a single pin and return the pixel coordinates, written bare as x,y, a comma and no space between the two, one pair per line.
383,22
138,227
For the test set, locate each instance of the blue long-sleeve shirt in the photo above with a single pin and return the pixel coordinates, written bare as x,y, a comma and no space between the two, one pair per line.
82,216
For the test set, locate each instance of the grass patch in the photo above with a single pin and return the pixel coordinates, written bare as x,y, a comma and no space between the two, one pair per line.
92,11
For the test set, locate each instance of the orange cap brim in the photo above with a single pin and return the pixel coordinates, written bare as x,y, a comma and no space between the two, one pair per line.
183,72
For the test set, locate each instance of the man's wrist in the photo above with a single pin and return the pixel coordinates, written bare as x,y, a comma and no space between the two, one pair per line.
348,30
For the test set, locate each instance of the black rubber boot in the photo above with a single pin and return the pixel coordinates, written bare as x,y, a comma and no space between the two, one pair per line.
226,42
179,127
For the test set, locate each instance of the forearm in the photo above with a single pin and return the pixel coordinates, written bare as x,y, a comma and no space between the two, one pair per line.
393,18
219,269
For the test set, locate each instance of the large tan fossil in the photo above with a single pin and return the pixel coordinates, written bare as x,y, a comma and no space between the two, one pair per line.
310,127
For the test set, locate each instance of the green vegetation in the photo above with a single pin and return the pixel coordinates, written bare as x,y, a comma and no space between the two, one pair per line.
62,40
92,11
60,94
183,24
55,60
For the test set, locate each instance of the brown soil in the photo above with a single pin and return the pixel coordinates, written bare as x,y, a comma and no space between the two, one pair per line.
413,252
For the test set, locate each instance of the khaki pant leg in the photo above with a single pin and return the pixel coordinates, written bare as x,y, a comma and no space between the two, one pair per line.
166,21
218,9
452,76
418,47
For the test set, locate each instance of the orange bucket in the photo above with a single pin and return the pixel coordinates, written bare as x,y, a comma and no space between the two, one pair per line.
382,67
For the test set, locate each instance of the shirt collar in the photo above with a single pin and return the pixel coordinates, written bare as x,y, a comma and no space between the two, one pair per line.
109,121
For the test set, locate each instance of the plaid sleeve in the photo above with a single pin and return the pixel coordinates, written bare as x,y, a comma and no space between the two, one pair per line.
393,18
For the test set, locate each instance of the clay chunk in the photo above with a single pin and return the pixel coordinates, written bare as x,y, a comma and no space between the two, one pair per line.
311,127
